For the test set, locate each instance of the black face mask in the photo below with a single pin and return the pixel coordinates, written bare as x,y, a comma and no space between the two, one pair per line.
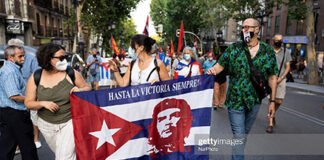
247,36
278,44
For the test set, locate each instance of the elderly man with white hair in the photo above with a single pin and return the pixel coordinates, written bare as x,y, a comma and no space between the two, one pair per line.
188,66
29,67
15,125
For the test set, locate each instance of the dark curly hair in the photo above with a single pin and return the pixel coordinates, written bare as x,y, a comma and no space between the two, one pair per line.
121,56
45,53
143,40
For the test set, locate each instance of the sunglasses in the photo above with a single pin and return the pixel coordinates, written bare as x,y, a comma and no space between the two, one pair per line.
248,27
61,57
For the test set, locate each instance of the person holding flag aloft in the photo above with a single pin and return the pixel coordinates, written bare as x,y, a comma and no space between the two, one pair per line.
144,68
188,66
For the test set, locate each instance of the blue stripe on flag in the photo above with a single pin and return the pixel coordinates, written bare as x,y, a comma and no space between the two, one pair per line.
107,74
201,118
102,72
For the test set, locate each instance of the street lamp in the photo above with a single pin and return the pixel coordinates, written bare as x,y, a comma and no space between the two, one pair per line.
178,32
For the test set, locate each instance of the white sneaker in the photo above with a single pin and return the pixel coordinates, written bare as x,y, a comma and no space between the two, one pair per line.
38,144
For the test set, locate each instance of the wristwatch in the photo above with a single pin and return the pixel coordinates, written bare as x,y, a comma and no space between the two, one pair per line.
271,100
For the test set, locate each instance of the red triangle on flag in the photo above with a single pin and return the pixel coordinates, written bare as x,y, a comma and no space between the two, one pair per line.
89,121
105,65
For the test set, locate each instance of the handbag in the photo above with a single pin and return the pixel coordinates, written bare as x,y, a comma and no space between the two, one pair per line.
93,71
258,80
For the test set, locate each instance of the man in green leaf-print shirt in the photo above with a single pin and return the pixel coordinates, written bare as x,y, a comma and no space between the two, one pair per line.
242,101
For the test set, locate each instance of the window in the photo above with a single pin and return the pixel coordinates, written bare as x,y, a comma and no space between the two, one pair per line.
278,6
300,27
269,26
277,24
289,26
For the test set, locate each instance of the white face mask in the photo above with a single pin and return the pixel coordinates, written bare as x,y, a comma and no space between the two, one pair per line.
61,65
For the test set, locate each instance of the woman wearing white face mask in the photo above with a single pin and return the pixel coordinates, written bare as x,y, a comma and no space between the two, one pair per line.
188,66
51,98
144,68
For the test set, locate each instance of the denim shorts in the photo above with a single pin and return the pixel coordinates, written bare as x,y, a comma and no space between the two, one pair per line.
95,78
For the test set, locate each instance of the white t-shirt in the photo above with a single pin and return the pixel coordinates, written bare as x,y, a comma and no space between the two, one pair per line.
139,77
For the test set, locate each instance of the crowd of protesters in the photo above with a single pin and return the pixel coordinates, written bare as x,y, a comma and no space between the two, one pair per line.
49,85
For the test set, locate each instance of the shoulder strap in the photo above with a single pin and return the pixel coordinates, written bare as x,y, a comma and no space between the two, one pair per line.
189,74
37,76
70,71
130,71
38,73
248,57
283,59
157,68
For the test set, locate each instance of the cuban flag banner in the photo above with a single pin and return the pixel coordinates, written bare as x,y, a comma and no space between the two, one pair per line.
147,121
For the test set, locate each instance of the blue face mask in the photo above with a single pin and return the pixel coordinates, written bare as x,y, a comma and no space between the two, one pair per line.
131,53
211,58
154,55
187,57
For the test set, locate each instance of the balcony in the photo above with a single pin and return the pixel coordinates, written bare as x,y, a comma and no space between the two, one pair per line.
43,3
67,11
17,8
61,9
40,30
56,6
55,32
30,12
49,31
2,6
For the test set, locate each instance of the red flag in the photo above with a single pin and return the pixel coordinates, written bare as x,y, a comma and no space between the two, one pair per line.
114,45
146,27
123,52
160,49
195,44
172,49
157,55
181,35
211,52
168,50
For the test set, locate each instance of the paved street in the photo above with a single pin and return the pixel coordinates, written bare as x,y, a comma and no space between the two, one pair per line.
301,113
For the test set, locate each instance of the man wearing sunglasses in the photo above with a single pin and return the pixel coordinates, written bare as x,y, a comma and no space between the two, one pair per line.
242,100
16,127
93,63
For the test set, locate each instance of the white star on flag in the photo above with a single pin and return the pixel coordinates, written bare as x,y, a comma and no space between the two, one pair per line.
105,135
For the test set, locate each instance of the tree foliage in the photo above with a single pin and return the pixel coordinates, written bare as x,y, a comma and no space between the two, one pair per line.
170,13
101,15
297,9
243,9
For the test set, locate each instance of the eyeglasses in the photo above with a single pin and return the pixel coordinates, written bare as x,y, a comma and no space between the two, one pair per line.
248,27
61,57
